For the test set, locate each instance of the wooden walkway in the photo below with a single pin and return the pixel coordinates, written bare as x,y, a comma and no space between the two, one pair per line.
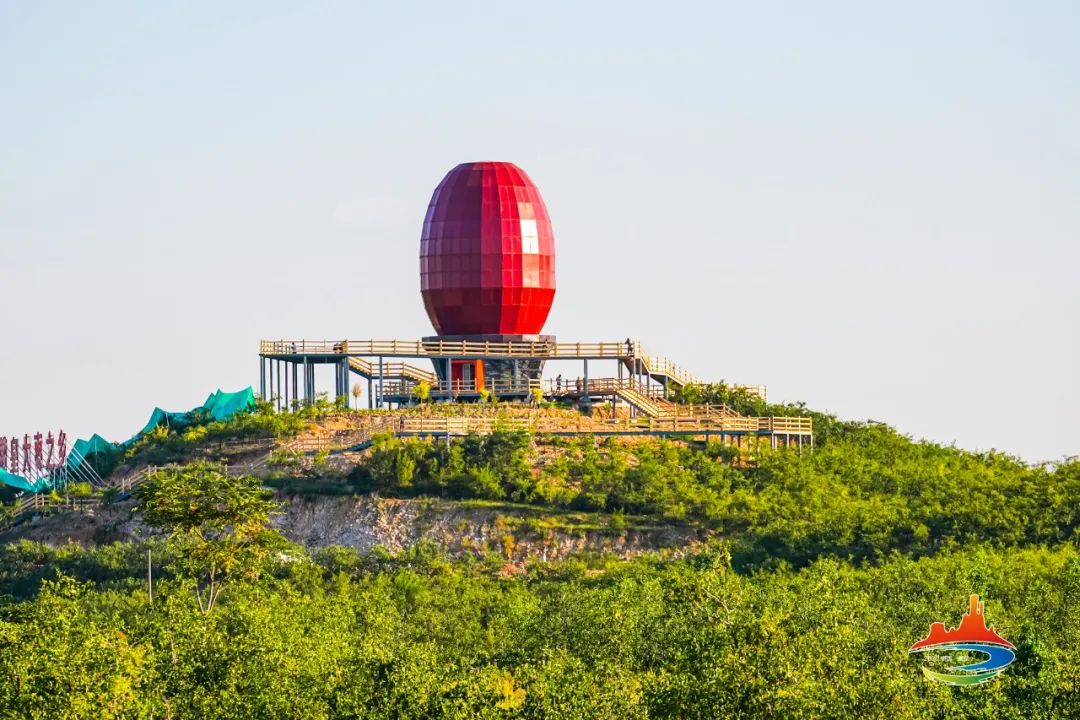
648,399
701,425
632,354
794,432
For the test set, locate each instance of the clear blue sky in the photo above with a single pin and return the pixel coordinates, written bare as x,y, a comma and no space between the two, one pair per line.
873,207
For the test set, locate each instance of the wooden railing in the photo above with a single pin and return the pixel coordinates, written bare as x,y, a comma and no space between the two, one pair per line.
399,388
650,406
551,387
481,425
737,424
630,352
345,440
648,399
720,424
792,425
446,348
658,366
370,369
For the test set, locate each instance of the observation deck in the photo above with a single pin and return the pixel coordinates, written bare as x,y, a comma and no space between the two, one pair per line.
642,381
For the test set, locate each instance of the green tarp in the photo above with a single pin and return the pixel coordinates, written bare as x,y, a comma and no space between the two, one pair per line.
158,418
20,483
219,406
223,405
85,448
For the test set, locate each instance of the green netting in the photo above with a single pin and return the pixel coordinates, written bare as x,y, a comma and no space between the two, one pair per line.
20,483
158,418
219,406
85,448
223,405
97,451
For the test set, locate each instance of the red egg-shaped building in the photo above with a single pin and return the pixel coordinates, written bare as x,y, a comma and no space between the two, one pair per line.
487,253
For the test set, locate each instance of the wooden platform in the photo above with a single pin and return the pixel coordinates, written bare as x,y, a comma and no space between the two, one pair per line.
645,387
630,353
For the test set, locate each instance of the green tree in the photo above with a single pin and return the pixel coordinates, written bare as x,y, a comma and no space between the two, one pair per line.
215,523
422,391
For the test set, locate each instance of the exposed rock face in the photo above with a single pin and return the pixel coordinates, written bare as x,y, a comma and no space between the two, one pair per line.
367,521
364,522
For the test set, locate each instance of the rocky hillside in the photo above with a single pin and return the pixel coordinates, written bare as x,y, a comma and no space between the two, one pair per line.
366,522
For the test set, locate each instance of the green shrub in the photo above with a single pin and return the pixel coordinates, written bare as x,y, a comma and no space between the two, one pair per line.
867,492
284,458
79,489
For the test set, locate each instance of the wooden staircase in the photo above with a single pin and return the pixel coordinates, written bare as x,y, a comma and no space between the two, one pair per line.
401,370
660,369
651,406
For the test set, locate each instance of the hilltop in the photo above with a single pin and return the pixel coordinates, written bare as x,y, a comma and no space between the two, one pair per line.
547,481
521,561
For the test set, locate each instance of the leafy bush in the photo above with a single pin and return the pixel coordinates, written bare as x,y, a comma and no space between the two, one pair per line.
79,489
865,493
284,458
415,635
164,445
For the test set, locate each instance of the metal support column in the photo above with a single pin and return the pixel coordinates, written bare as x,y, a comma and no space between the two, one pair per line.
449,380
262,378
585,362
278,393
370,395
307,381
345,381
381,385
